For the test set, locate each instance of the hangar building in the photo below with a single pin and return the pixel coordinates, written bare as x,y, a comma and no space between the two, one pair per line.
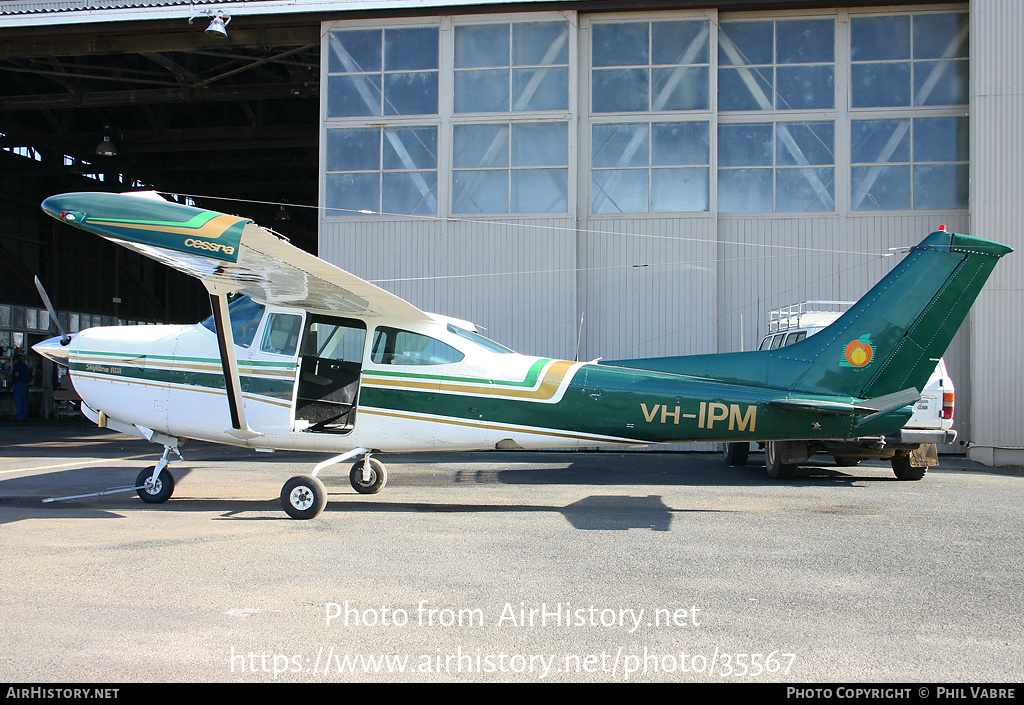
592,179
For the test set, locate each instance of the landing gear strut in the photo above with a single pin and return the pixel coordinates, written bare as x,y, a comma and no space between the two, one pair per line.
155,485
368,476
304,496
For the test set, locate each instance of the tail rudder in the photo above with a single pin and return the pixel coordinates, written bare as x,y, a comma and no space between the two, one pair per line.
893,337
888,342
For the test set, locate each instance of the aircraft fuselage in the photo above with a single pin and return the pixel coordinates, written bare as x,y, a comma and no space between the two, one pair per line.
169,379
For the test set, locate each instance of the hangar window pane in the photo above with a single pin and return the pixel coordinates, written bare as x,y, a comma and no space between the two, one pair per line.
650,66
381,170
909,163
776,65
909,60
511,67
632,167
511,167
776,167
376,72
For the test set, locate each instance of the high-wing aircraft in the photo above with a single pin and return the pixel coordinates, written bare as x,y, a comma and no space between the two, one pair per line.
305,356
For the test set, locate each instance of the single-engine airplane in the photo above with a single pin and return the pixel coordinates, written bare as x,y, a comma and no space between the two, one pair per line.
309,357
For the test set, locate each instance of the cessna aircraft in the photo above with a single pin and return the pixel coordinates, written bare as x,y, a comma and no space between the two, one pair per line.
306,356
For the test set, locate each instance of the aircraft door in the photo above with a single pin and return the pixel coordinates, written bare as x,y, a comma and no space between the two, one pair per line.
269,368
330,370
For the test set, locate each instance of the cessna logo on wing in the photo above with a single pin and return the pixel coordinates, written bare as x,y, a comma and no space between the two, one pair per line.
210,246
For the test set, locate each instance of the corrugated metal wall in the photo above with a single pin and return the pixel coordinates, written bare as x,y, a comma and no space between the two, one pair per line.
997,190
517,279
649,286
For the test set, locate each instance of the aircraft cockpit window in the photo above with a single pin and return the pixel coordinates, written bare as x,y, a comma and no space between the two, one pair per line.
392,346
245,315
478,339
282,334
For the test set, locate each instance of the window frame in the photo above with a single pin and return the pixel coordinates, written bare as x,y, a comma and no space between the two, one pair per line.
581,120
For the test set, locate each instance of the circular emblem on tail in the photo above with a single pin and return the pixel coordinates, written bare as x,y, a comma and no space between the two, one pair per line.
859,353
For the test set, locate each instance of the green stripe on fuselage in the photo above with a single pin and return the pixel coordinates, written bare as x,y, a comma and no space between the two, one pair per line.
647,407
279,388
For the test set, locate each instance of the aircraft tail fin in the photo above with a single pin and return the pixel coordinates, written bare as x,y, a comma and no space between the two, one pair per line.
886,343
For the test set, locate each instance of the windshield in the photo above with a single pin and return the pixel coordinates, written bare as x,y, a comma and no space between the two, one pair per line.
246,315
478,339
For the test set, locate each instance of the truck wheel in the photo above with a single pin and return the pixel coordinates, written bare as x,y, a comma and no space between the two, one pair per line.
736,453
777,470
904,470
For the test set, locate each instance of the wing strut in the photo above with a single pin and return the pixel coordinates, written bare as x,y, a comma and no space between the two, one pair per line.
229,364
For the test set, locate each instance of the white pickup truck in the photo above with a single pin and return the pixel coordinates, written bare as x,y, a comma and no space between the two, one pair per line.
911,451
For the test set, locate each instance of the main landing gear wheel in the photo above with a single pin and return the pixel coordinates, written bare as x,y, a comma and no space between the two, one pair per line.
736,453
303,497
378,477
903,470
777,470
154,491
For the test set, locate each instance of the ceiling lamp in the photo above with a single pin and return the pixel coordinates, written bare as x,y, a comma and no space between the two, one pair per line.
218,26
106,148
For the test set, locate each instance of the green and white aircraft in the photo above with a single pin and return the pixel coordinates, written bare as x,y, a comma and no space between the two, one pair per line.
306,356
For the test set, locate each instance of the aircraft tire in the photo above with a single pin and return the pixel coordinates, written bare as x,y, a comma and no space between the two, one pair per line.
736,453
303,497
158,492
777,470
378,477
903,470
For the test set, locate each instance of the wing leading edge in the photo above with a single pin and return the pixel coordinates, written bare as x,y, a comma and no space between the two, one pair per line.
226,252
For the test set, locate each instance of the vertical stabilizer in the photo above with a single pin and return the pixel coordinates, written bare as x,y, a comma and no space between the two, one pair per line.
888,342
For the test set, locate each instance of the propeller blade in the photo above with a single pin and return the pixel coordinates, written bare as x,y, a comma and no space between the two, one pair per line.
64,337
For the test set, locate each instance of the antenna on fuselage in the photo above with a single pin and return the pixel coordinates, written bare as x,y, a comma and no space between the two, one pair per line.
579,335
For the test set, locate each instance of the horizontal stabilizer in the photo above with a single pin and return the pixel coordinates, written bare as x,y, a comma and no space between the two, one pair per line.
874,407
818,405
889,402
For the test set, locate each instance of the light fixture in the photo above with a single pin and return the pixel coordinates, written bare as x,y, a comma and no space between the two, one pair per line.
106,148
218,26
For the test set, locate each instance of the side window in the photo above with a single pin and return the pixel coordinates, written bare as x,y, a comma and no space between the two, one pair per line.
392,346
766,343
795,337
777,341
281,336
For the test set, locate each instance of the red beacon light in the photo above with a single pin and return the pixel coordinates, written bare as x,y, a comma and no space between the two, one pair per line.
943,228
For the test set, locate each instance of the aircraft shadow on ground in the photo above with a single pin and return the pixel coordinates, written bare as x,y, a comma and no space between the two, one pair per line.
22,497
594,513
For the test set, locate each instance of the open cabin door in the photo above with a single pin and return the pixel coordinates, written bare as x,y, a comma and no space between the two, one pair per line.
330,367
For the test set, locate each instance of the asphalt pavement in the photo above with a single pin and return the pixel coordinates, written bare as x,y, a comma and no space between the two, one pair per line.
503,567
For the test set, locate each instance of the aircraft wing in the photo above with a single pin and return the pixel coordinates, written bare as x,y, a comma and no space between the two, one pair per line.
227,253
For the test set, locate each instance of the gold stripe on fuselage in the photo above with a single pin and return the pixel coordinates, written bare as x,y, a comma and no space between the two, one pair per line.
546,390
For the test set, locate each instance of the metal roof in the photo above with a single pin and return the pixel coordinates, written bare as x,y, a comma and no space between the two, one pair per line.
23,13
20,7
